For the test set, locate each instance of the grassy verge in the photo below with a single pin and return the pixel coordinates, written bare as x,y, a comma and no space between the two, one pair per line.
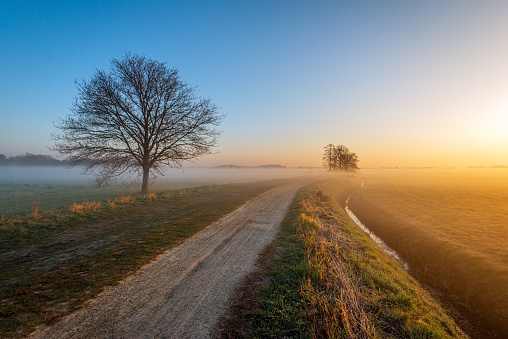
51,263
325,278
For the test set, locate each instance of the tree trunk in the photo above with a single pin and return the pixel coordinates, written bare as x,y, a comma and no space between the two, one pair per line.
146,176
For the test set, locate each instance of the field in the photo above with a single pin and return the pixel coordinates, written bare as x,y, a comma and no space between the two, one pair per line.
25,189
451,226
20,198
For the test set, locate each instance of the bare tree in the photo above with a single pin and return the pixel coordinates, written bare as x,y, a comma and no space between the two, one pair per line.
350,161
139,116
328,157
339,158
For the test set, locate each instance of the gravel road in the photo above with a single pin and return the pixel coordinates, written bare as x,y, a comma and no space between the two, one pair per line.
184,291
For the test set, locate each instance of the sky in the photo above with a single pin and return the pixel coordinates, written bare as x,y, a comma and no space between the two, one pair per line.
400,83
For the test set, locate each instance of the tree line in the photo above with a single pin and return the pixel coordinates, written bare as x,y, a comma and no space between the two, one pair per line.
29,159
339,158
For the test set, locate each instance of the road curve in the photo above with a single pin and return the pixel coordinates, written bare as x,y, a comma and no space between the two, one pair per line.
184,291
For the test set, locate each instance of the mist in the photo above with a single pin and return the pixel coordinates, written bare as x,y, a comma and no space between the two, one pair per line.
26,174
55,187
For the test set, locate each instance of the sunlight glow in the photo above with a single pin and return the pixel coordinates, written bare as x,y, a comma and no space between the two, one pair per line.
493,128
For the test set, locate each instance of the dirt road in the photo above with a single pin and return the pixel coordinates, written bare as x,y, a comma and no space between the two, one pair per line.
184,291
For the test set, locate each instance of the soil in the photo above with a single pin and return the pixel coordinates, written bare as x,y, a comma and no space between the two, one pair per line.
184,292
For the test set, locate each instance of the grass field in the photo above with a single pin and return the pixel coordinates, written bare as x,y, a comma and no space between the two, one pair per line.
451,226
325,278
21,198
50,264
23,189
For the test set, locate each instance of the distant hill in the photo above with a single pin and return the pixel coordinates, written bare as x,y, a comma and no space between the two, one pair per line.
310,167
494,166
228,167
271,166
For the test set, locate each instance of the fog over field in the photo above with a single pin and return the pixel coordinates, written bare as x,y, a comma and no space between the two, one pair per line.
21,187
21,175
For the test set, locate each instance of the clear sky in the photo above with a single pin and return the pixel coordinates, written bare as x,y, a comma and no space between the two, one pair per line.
401,83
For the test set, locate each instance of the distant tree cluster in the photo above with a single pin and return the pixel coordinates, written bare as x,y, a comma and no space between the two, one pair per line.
30,159
339,158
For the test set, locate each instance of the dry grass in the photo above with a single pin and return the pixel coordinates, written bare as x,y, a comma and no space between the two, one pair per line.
96,206
85,206
452,228
150,197
342,307
124,199
36,209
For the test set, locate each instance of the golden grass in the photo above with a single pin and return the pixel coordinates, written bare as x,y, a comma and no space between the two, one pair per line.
36,207
124,199
85,206
96,206
150,197
452,228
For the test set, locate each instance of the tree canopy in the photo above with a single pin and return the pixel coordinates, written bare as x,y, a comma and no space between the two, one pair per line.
339,158
137,117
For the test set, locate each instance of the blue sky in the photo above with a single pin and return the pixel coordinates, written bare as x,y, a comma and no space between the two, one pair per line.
401,83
